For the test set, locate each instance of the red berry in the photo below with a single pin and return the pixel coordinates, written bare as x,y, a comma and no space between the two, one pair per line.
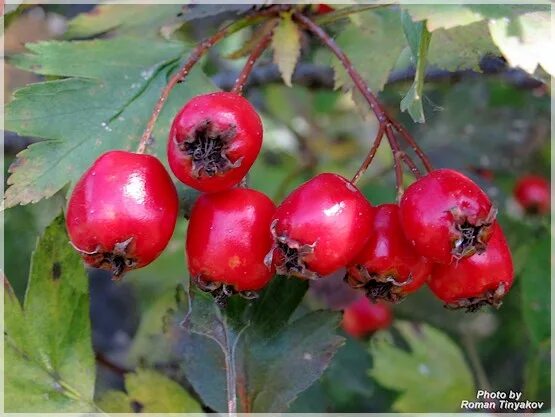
323,8
363,317
482,278
227,239
214,140
388,267
320,227
446,216
122,212
533,194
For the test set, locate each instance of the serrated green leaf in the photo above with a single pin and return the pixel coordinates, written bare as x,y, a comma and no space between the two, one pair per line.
49,361
153,392
525,41
535,284
269,362
104,105
286,43
461,47
373,48
432,376
418,38
125,19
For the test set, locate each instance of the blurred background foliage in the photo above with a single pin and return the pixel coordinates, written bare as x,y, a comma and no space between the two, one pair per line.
493,127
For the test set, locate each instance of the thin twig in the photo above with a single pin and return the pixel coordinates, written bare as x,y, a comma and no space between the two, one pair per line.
397,154
380,112
255,54
370,156
195,56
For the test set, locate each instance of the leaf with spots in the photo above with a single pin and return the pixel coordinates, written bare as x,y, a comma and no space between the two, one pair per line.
151,392
49,361
102,103
255,352
430,376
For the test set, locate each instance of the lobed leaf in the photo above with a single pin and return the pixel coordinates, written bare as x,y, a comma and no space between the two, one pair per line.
432,373
286,43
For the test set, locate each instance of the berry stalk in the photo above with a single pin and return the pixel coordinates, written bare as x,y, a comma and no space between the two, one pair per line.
381,114
370,156
253,57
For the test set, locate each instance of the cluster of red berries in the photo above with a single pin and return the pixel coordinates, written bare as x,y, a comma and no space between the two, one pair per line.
123,210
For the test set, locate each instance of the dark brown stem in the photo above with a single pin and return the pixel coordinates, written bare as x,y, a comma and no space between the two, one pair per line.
397,155
195,56
370,156
381,114
255,54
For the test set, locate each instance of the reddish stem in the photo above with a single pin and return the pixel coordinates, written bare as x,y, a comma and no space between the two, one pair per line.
370,156
381,114
397,154
253,57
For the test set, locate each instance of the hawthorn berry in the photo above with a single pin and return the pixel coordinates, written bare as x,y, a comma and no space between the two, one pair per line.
122,212
388,267
363,317
214,140
483,278
533,194
320,227
227,239
446,216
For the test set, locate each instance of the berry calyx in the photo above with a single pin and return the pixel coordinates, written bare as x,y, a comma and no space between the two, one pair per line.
483,278
122,212
388,267
363,317
533,194
446,216
214,140
227,239
319,227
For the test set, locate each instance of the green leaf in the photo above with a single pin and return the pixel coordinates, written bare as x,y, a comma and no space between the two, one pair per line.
104,104
49,361
129,19
153,392
525,40
461,47
373,47
256,349
418,38
432,376
535,284
286,43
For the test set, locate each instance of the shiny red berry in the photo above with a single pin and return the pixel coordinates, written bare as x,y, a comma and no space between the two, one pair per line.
320,227
214,140
446,216
122,212
363,317
483,278
227,239
388,267
533,194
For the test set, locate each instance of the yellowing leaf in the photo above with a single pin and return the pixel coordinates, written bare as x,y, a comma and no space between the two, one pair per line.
286,44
